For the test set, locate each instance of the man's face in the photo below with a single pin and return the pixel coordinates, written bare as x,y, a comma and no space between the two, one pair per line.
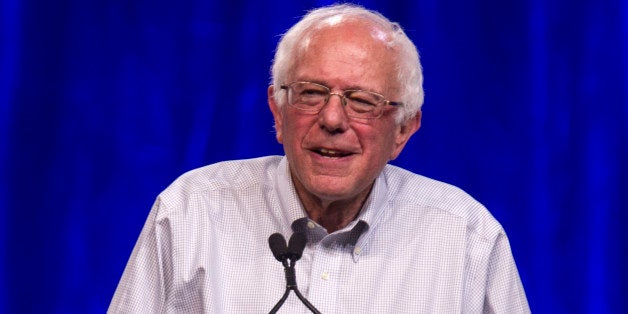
331,156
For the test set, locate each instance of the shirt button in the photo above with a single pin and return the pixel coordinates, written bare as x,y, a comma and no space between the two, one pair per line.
357,251
325,276
311,224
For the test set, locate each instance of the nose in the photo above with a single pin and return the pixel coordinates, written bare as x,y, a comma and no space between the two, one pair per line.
342,97
333,116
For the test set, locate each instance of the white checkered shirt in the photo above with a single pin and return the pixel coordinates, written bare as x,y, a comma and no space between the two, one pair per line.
418,246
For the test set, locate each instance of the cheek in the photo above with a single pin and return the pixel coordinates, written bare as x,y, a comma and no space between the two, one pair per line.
293,130
379,144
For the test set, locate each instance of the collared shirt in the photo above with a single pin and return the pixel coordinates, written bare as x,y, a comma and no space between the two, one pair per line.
417,246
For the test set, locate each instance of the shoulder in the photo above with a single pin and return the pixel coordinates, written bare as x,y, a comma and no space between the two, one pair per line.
226,175
423,195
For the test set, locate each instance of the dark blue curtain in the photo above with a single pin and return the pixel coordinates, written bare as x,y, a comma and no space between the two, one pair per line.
104,103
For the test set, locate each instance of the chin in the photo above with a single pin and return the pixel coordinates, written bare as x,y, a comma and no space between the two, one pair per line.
333,192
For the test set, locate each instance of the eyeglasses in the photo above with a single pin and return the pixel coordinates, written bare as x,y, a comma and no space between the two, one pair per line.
312,97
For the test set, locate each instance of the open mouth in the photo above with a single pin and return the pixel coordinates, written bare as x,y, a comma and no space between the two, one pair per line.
331,153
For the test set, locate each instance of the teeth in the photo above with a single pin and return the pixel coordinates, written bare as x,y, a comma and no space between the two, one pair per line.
328,152
331,153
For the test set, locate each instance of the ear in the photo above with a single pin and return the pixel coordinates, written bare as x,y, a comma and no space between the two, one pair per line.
277,113
404,133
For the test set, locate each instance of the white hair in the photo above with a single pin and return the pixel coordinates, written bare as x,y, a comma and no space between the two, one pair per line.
409,72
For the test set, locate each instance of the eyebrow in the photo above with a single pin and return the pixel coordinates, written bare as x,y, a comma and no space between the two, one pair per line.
350,87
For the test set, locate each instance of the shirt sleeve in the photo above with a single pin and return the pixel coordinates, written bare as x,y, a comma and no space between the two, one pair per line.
504,290
141,288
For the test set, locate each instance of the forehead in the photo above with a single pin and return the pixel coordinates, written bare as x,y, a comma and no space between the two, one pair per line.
348,54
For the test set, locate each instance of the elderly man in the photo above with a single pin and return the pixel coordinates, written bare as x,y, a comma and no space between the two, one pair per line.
346,98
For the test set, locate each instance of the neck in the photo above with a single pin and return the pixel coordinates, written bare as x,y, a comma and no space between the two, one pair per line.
333,214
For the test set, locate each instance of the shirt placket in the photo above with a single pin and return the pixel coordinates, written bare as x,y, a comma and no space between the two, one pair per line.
324,278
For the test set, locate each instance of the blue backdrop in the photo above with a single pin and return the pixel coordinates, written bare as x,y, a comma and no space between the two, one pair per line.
104,103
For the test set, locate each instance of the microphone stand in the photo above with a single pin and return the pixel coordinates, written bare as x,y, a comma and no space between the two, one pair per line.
291,284
293,253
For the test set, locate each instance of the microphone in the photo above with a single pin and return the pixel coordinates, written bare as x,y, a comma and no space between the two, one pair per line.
293,252
296,245
277,244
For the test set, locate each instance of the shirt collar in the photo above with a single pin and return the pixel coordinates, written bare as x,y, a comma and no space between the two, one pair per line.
291,207
372,214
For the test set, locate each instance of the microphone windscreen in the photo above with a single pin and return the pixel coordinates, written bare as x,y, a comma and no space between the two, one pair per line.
277,244
296,245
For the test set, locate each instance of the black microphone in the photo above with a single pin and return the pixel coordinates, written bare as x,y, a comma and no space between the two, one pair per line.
293,252
296,245
277,244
